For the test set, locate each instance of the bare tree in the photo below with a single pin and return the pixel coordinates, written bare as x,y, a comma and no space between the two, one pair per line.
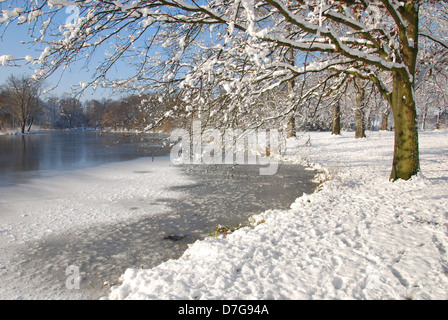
72,112
5,116
95,110
22,99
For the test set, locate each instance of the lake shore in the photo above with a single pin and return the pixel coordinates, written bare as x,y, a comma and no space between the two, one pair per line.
359,237
106,218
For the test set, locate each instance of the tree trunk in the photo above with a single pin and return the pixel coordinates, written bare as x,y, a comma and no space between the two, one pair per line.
359,114
445,115
336,119
30,125
425,113
406,151
360,132
291,127
369,122
406,161
385,119
23,126
439,113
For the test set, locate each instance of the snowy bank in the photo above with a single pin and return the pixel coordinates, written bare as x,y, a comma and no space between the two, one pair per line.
358,237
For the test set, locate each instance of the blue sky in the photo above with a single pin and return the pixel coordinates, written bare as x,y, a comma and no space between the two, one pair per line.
10,43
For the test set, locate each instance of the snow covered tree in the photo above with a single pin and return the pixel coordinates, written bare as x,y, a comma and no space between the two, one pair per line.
236,50
431,86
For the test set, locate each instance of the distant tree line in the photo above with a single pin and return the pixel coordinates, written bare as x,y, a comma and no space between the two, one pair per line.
359,108
22,106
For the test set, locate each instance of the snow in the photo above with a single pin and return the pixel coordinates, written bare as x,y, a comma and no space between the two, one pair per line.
359,236
59,3
44,54
5,58
59,203
114,183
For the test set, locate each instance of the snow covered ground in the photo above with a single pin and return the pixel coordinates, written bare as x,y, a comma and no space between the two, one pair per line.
358,237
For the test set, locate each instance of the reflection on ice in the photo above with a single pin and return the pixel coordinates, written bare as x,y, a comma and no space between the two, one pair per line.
28,156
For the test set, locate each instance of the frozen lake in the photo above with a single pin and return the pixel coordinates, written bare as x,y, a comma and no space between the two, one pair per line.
119,210
35,155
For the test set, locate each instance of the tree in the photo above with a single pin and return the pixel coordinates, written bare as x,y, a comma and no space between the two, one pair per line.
359,112
239,45
385,118
5,116
22,99
122,113
432,97
114,117
336,124
52,111
72,112
95,111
